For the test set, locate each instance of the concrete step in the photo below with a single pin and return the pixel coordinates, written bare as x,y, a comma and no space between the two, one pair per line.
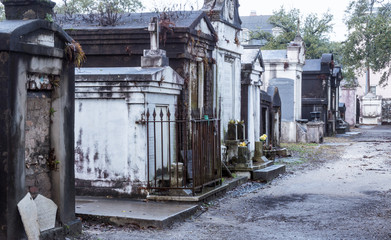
207,196
267,163
269,173
124,211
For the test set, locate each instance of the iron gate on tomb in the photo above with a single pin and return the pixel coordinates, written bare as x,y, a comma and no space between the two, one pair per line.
182,154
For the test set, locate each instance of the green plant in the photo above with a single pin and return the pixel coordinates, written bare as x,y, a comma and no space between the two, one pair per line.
52,162
54,80
52,111
49,17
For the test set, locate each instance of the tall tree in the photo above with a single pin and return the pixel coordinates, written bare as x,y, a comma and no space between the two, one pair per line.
106,12
314,31
315,36
368,45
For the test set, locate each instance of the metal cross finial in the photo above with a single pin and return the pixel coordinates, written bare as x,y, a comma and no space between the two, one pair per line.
153,29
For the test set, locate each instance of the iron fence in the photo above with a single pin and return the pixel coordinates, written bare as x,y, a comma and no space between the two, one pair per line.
183,154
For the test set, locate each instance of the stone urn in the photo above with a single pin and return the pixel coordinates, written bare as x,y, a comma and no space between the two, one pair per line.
258,153
243,154
243,160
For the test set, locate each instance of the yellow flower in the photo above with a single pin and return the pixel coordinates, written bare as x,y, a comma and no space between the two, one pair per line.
263,137
243,144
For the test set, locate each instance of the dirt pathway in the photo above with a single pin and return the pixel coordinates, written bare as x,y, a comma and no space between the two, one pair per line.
346,196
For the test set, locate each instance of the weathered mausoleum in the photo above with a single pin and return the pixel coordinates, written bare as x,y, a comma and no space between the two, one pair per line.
224,15
283,69
320,93
36,123
172,105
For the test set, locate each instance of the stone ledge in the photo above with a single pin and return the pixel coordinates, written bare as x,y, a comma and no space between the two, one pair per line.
143,223
205,197
73,228
269,173
255,167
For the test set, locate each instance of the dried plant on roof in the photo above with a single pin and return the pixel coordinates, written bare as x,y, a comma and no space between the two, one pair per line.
75,53
165,26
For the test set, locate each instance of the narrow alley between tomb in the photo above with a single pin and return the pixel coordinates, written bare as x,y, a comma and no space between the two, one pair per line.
336,190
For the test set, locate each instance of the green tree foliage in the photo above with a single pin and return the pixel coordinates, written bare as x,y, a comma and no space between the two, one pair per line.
104,8
368,45
315,35
314,32
71,7
2,13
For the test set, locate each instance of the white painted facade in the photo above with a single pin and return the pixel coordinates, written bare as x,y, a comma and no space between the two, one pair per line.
227,54
286,65
369,105
371,109
252,70
228,87
348,96
377,88
110,136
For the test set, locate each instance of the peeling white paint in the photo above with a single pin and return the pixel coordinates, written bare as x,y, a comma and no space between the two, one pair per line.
110,140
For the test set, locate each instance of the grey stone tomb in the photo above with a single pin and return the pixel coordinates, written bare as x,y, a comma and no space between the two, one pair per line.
36,120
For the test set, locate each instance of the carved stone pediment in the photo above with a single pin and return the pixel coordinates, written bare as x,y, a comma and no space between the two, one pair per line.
223,10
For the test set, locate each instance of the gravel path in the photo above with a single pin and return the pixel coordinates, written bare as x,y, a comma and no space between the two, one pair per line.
337,190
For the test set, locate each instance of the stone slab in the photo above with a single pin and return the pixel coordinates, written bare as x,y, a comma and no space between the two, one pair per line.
269,173
29,215
144,214
256,166
47,211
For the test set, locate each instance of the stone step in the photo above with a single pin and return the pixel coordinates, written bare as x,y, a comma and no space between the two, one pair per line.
266,164
269,173
255,166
